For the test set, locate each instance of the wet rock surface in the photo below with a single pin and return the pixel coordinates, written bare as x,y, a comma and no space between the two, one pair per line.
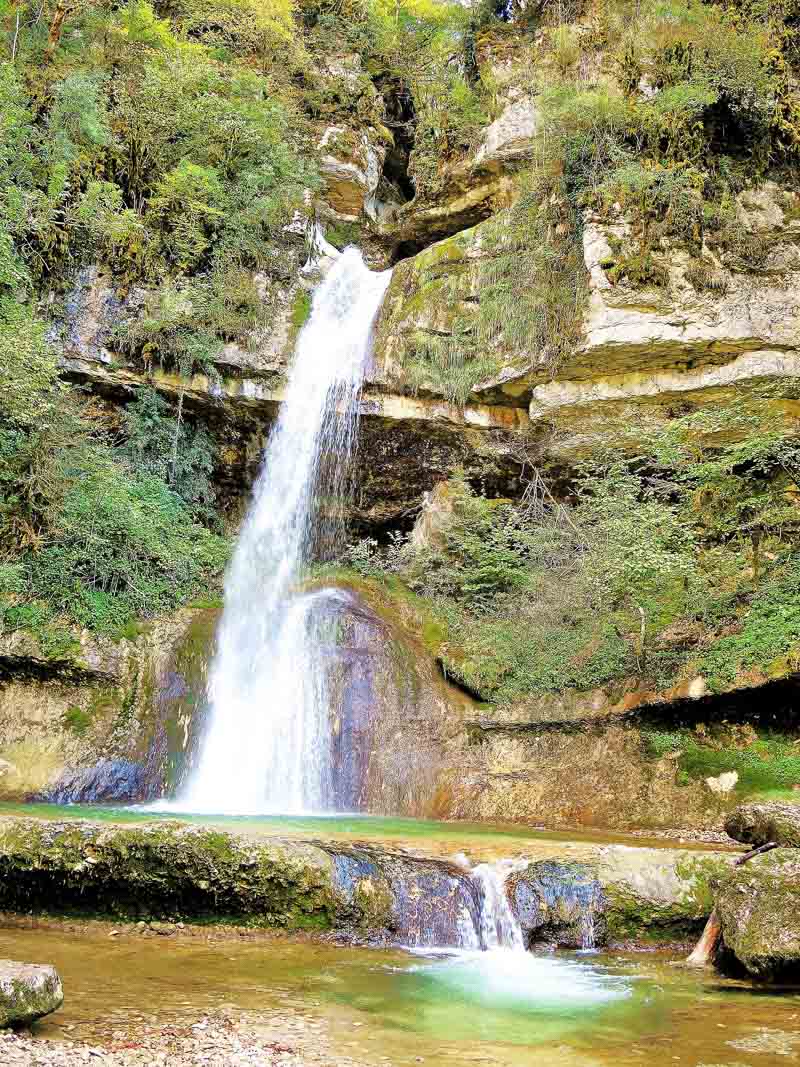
758,905
558,904
28,991
165,870
169,871
107,780
760,824
617,896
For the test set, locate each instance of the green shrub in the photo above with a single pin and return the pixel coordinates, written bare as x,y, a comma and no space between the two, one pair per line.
769,631
91,539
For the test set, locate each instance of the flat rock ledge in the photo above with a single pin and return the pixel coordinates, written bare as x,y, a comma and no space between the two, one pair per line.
27,992
358,890
760,824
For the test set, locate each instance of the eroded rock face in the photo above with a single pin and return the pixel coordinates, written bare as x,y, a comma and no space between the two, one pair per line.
158,870
102,719
618,895
169,870
760,824
398,722
558,904
350,165
509,139
759,909
28,991
647,351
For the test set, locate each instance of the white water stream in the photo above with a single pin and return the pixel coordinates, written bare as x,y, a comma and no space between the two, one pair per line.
267,745
490,964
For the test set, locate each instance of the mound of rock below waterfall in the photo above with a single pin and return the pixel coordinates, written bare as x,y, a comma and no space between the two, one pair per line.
27,992
566,893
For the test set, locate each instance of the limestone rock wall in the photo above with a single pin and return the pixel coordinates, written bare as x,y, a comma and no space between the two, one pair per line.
102,720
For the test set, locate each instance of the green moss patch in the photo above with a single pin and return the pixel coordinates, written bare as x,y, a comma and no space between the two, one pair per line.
766,763
164,871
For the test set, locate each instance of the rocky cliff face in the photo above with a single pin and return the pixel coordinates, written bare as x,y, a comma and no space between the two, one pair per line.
724,333
120,722
102,719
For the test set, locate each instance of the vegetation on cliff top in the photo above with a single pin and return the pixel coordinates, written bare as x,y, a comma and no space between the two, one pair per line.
653,114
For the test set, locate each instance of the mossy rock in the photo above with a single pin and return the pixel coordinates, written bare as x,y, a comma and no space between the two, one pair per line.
170,871
659,895
558,904
627,895
166,871
27,992
760,824
759,910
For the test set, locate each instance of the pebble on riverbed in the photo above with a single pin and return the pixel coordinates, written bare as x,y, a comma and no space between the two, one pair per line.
215,1041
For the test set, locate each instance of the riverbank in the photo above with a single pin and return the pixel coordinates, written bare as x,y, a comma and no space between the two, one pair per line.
223,1039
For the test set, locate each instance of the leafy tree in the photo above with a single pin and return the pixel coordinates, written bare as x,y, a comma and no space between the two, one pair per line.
179,454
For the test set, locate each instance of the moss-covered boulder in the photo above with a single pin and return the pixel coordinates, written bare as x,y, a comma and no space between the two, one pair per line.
170,870
620,895
657,895
759,910
27,992
164,870
760,824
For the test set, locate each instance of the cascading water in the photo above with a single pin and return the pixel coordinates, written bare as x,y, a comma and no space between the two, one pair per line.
485,961
267,745
499,926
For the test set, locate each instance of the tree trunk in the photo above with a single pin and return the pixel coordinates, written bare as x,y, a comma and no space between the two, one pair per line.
56,29
703,953
704,950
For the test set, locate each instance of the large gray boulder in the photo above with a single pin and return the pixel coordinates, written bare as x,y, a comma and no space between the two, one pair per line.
27,992
758,905
759,824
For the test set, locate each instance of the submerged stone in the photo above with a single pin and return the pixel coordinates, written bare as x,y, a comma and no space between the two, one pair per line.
27,992
759,909
760,824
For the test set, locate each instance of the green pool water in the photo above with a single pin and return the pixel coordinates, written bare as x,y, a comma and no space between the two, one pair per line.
373,1004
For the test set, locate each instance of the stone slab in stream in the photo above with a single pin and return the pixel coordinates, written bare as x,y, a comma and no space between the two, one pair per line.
166,870
27,992
759,824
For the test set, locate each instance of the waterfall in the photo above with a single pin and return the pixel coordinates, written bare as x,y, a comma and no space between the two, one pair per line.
484,919
499,926
267,742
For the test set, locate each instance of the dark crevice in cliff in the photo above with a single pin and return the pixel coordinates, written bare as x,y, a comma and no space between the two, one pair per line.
401,118
772,706
456,683
422,233
25,668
